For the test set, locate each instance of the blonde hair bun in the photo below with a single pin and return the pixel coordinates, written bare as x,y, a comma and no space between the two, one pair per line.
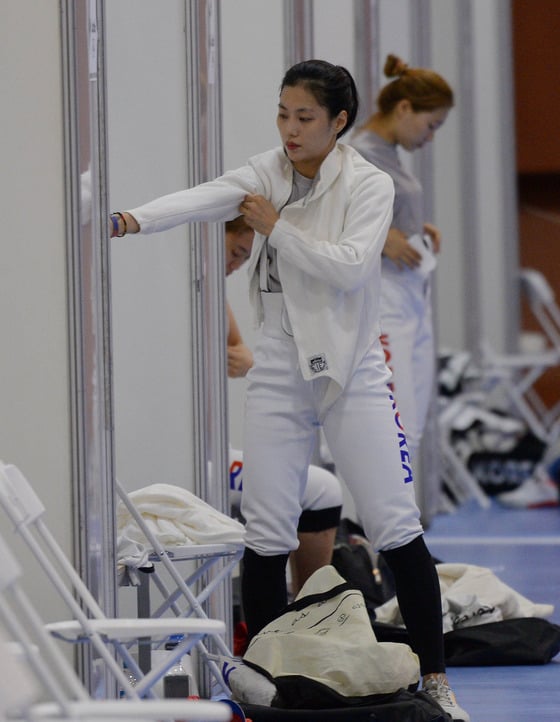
394,66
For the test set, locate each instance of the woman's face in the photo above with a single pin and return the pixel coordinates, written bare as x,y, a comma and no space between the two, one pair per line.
308,133
417,128
238,248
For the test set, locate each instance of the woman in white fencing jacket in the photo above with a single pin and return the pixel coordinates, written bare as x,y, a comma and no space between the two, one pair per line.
321,214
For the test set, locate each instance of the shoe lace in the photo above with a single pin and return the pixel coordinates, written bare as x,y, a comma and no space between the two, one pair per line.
440,691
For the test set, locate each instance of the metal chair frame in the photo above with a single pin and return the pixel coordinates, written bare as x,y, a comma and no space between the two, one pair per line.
65,696
110,638
187,595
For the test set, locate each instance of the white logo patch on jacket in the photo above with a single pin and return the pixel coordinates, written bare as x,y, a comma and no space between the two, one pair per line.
318,363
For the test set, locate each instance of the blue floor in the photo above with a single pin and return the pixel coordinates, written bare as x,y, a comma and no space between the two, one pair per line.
523,549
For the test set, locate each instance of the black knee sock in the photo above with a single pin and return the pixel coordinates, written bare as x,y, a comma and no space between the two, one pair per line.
419,597
263,589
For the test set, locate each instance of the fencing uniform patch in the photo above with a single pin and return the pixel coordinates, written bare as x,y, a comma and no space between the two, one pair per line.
318,363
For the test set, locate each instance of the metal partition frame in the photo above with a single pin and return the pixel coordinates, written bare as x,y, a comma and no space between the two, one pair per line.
298,31
89,306
366,28
511,258
89,290
475,237
428,466
469,206
420,44
208,314
204,133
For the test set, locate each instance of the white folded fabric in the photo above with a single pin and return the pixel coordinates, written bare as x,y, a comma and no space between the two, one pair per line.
472,595
176,517
423,245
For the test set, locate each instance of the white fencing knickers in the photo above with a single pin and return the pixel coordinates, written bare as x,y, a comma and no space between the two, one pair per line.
322,497
408,341
362,429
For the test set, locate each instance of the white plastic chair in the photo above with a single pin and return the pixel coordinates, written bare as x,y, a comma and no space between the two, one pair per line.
17,687
88,623
453,469
185,596
542,300
515,375
63,694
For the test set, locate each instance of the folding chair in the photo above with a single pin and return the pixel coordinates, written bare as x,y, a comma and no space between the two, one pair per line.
64,696
89,624
463,407
457,409
215,563
17,688
542,302
514,375
459,479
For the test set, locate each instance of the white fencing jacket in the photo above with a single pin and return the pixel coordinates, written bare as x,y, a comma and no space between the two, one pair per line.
472,595
329,248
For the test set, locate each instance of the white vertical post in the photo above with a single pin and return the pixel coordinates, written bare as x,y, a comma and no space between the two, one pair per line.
366,30
428,466
89,307
469,205
298,31
490,229
204,132
208,287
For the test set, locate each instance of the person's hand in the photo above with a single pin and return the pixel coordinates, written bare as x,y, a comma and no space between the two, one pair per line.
259,214
398,249
122,223
240,360
435,235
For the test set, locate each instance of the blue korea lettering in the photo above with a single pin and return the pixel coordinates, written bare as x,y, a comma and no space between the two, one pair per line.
405,459
405,456
405,463
235,477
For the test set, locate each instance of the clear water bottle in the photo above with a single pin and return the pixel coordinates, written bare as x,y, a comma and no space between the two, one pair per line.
176,680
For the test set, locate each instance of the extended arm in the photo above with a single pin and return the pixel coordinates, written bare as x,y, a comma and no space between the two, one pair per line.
216,200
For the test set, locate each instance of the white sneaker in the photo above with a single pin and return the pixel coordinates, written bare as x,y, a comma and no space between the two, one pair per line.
439,690
535,492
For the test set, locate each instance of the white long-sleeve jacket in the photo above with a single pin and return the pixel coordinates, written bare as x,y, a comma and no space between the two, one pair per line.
329,248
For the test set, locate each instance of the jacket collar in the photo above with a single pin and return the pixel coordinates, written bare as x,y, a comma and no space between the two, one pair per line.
328,172
326,176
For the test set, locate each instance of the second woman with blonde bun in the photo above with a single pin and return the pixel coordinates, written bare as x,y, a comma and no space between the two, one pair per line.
410,109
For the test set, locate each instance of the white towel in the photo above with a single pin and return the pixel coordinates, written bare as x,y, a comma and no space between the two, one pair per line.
176,517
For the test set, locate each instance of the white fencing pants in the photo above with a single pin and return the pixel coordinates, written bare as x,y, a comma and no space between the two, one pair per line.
322,493
362,430
408,340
